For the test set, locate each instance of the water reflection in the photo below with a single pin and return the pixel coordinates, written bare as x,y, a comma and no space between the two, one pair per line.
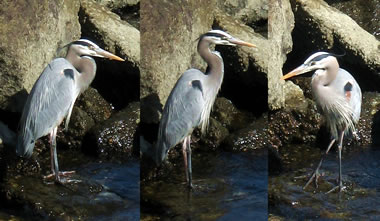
226,186
361,176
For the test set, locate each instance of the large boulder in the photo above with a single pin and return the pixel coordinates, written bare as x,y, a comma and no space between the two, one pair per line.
31,33
281,24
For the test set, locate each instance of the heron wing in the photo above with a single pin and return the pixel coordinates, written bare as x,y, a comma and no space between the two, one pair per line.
50,100
182,112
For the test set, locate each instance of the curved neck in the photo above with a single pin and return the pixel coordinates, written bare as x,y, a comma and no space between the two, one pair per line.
214,60
86,67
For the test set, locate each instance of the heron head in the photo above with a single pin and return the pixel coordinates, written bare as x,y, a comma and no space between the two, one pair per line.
87,47
222,38
317,61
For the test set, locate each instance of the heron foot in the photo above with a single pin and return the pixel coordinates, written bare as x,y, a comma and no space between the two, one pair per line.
315,176
62,178
340,187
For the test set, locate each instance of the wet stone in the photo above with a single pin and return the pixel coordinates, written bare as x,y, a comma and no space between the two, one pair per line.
115,137
94,105
252,137
298,124
228,115
214,135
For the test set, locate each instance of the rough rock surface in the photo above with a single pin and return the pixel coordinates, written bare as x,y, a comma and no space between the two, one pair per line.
252,137
118,82
44,26
246,11
112,4
281,24
120,37
229,116
115,137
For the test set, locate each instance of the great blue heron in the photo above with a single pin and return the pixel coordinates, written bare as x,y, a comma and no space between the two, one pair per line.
53,96
189,103
338,97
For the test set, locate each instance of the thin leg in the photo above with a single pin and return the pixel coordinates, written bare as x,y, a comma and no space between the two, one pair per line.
340,182
188,149
54,159
316,172
184,152
53,148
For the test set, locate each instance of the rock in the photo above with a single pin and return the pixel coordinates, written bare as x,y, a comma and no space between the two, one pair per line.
297,123
94,105
214,136
281,24
252,137
44,27
228,115
364,13
245,68
117,82
248,12
119,36
368,127
115,137
112,4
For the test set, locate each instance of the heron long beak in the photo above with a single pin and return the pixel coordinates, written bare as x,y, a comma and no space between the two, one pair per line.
106,54
240,42
294,72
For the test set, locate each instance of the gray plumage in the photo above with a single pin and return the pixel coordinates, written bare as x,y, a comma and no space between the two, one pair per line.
189,103
53,96
182,114
338,97
50,101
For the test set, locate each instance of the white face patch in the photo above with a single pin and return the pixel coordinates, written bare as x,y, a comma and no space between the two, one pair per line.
88,42
220,32
314,56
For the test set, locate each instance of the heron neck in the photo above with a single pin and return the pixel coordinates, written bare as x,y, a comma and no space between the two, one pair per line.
214,61
85,66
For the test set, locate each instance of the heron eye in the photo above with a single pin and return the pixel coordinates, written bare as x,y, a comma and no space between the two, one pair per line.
312,63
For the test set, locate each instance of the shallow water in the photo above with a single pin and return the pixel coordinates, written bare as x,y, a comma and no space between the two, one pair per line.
361,176
106,191
227,186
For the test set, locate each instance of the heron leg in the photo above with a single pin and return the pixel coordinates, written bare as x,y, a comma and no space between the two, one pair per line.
316,174
340,182
54,159
184,152
188,149
53,151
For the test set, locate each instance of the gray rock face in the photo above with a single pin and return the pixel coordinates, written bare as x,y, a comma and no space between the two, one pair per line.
246,11
112,4
281,24
44,26
119,36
